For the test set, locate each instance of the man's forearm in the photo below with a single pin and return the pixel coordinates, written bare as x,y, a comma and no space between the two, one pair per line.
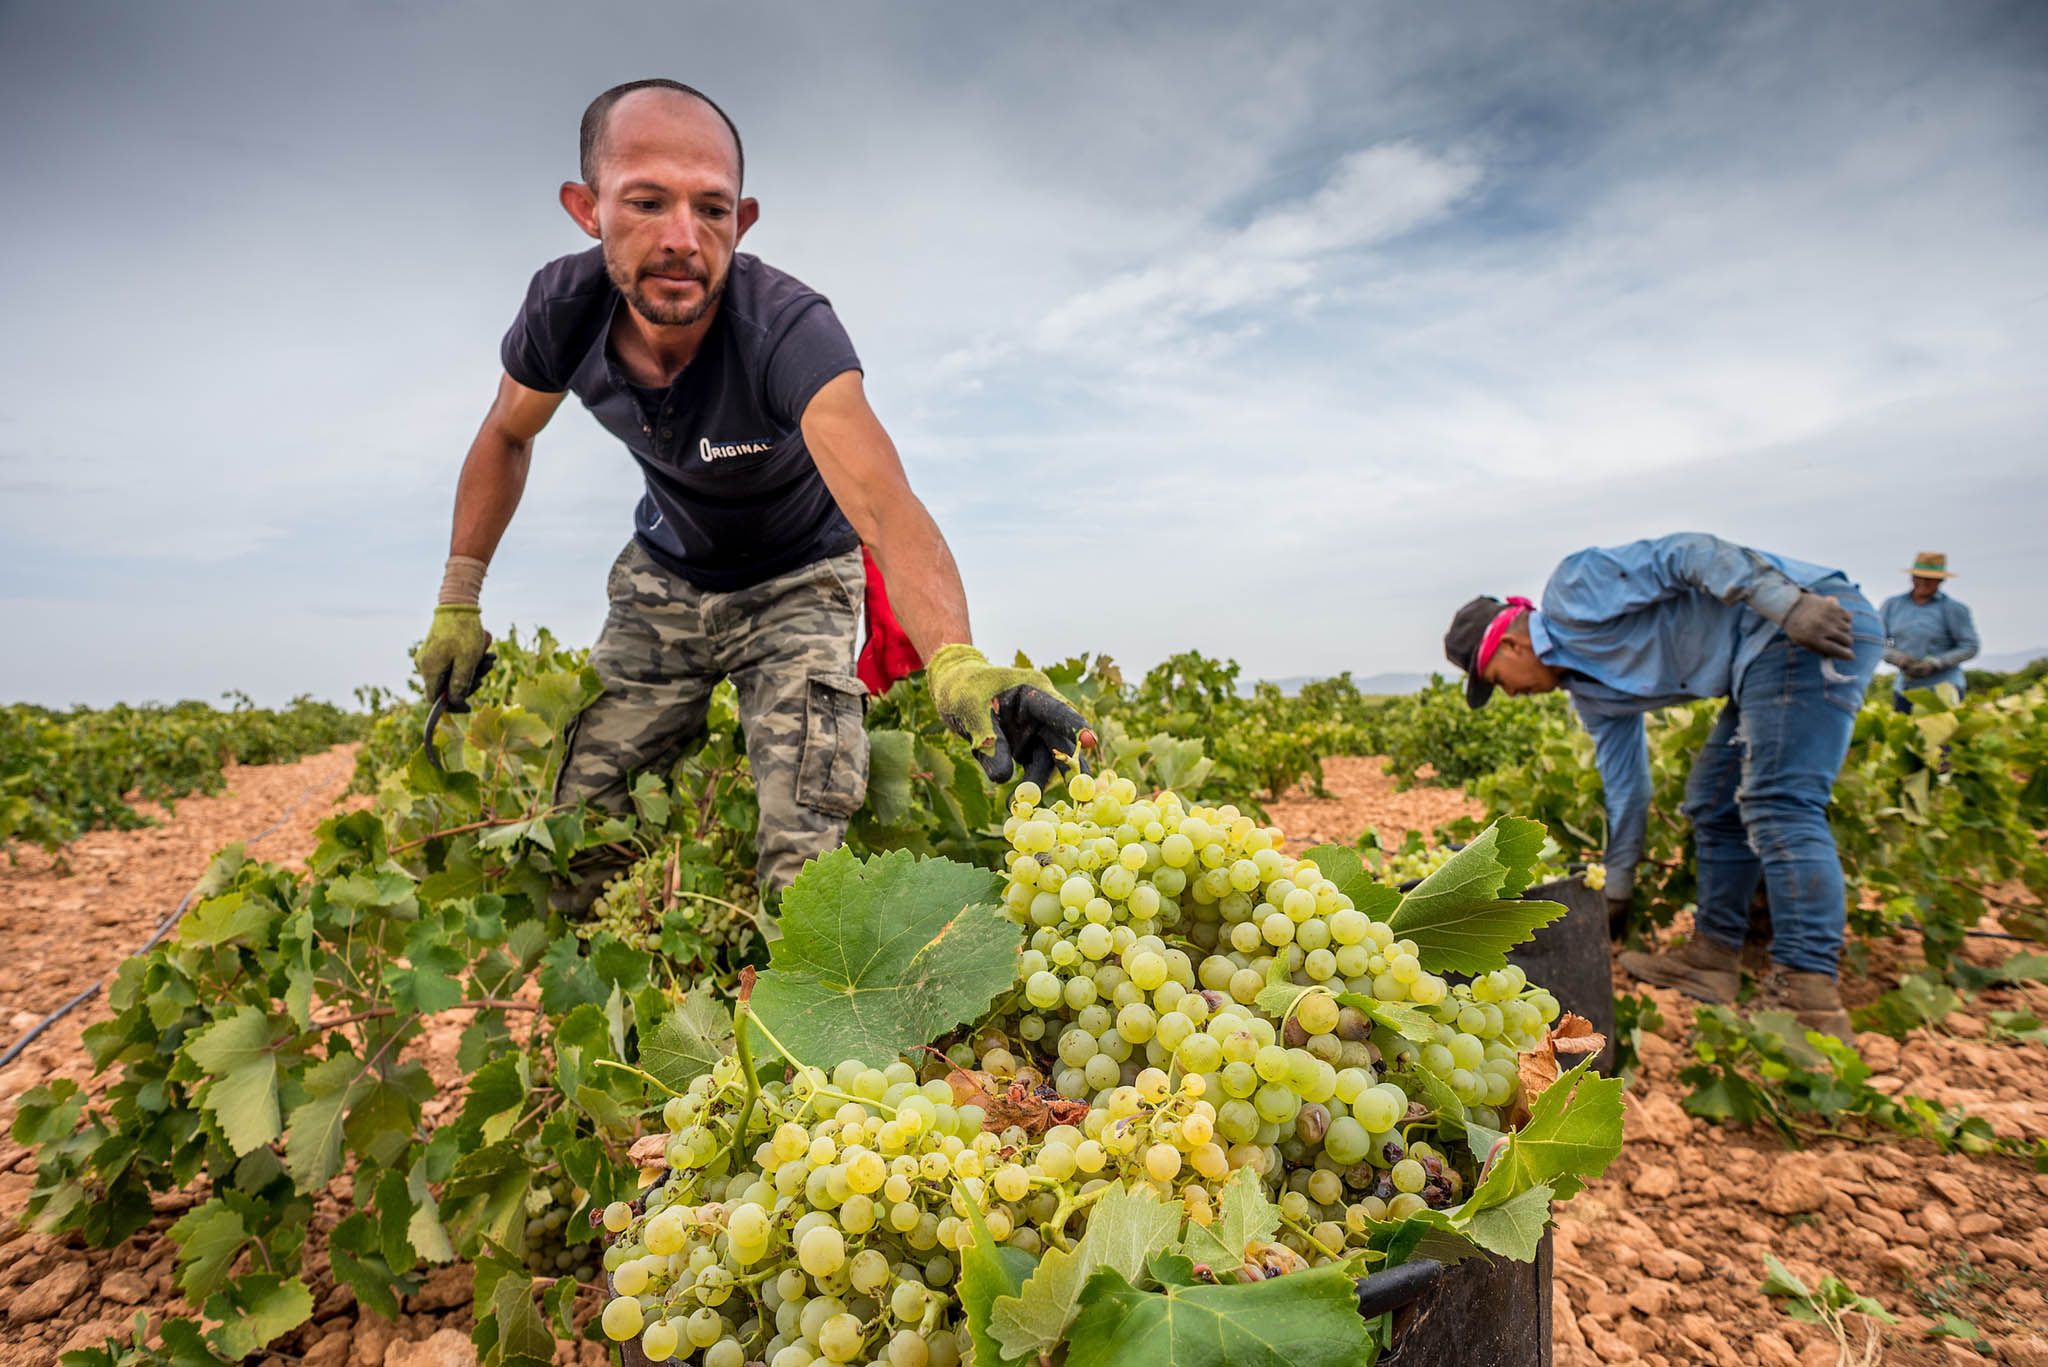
487,493
924,582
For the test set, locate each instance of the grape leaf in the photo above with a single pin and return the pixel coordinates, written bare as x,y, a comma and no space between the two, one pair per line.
988,1270
424,1230
208,1237
1304,1319
889,765
1469,913
1572,1134
236,918
241,1091
255,1309
882,955
312,1145
1514,1228
523,1337
689,1040
1242,1214
1124,1229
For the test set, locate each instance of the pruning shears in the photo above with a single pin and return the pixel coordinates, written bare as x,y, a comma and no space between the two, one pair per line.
443,705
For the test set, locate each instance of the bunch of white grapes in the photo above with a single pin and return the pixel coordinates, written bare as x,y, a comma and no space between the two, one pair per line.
833,1237
837,1236
830,1229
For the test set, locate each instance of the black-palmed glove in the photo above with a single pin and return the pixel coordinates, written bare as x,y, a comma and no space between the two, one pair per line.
451,657
1820,624
1014,718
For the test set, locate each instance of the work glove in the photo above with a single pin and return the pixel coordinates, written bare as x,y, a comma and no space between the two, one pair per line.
1920,668
1821,625
450,657
1012,717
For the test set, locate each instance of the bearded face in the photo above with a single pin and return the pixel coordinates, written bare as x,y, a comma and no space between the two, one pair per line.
667,290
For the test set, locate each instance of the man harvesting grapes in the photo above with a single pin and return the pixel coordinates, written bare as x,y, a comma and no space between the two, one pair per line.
738,393
1626,630
1928,635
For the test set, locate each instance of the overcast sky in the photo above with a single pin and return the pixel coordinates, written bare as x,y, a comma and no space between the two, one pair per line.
1272,331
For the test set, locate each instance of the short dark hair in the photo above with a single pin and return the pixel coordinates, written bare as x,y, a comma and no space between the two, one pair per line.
592,147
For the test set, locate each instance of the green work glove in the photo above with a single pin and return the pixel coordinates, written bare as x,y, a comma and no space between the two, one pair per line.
448,659
1012,717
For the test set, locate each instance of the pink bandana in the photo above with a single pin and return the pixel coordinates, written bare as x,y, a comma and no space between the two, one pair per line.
1498,628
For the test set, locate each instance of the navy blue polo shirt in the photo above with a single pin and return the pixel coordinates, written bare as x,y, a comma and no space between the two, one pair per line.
733,496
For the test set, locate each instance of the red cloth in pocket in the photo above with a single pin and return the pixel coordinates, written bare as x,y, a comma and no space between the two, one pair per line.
887,655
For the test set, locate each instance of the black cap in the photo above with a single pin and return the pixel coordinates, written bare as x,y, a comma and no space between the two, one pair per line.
1461,644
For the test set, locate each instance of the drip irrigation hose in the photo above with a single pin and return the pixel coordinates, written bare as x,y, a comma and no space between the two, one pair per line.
15,1049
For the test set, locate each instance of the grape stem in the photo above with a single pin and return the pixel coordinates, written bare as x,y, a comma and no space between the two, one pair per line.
742,1017
1069,1207
643,1075
1318,1243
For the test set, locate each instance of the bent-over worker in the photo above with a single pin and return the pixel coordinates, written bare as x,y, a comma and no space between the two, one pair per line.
1626,630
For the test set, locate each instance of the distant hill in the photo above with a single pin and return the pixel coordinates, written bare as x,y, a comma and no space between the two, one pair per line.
1372,683
2007,660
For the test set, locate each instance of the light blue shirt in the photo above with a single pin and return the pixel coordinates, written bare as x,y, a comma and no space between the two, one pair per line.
1648,625
1939,630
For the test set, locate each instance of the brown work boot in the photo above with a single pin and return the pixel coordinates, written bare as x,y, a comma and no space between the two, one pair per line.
1699,968
1814,999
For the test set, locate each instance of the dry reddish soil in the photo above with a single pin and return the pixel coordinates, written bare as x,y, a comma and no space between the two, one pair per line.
1362,798
66,928
1657,1262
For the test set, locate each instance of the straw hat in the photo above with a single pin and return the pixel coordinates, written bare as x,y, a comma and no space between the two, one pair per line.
1930,565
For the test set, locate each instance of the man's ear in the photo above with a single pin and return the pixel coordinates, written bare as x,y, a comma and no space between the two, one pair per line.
750,211
581,203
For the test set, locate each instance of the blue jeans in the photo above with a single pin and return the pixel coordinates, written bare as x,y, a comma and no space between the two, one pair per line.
1758,795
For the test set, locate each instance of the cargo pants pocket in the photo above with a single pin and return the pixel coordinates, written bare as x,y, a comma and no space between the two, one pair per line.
832,771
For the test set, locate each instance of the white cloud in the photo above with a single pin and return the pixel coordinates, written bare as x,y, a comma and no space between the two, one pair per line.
1371,196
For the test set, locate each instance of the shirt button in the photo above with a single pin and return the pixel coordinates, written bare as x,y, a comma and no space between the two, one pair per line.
645,431
666,434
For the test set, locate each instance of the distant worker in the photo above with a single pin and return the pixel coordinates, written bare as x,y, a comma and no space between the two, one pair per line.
1630,629
1927,634
735,389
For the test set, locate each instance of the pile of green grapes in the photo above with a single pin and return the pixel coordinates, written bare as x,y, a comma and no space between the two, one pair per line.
823,1222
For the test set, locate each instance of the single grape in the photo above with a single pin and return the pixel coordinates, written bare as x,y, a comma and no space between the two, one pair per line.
821,1251
622,1319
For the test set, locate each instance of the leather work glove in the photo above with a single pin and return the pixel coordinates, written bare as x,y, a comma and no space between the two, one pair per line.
1012,717
448,659
1821,625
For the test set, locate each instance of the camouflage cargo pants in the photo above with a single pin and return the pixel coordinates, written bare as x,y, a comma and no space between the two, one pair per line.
787,644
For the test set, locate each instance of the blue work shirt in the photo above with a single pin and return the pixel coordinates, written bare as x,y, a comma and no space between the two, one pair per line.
1939,630
1650,624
